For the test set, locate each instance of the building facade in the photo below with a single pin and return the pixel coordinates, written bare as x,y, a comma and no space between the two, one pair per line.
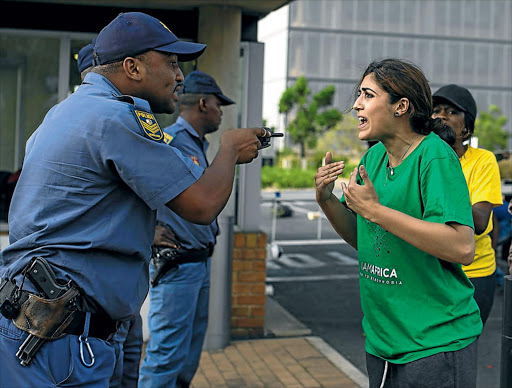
466,42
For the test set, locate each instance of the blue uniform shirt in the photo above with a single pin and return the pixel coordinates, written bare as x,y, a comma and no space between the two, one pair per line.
94,173
191,236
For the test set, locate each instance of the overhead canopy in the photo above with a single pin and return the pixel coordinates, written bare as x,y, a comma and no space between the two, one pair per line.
258,8
182,16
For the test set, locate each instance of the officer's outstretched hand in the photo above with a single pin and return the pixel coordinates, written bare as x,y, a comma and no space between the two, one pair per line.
244,141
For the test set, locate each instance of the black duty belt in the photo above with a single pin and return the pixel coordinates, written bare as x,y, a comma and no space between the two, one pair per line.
101,325
165,258
193,255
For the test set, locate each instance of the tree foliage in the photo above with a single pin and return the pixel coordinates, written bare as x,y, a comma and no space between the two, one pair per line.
311,118
343,140
489,129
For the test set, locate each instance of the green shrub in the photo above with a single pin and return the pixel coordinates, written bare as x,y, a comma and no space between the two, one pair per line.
294,178
291,178
349,167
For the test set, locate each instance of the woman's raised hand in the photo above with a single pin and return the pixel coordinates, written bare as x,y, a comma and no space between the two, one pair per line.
362,199
325,177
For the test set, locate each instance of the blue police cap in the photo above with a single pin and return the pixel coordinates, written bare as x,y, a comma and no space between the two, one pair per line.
84,59
198,82
134,33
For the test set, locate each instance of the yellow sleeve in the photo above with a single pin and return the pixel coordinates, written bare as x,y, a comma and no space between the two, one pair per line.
485,185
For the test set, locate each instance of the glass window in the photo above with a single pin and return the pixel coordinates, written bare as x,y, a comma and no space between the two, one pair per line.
312,56
468,61
296,51
378,49
346,51
347,17
29,76
362,15
484,20
469,14
297,14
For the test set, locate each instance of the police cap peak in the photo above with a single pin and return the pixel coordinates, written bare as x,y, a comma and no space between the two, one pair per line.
84,59
198,82
134,33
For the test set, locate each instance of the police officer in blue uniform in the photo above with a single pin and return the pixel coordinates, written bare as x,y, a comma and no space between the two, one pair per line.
178,309
128,339
84,209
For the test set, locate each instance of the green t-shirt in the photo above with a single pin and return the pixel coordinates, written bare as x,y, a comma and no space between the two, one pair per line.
415,305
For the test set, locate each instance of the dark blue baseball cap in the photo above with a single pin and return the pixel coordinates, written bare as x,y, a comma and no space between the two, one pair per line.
84,59
198,82
134,33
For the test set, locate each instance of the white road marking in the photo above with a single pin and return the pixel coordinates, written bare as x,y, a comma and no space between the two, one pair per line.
343,259
300,260
310,242
286,279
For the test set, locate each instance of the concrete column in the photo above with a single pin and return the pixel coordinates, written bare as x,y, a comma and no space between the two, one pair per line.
220,29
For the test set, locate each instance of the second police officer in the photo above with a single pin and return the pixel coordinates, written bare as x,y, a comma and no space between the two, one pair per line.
178,312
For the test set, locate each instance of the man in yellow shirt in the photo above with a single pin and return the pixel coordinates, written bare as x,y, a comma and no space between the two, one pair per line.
457,108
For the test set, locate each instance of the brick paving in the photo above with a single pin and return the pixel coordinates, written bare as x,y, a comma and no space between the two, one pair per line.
272,363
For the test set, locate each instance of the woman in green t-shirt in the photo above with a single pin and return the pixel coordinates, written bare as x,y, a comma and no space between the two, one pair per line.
406,210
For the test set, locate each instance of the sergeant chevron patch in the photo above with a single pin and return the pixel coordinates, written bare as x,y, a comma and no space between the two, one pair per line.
149,125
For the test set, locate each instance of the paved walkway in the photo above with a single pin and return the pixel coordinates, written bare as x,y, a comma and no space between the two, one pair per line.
279,362
292,358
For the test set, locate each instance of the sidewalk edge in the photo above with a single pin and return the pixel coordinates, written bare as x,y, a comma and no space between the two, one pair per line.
339,361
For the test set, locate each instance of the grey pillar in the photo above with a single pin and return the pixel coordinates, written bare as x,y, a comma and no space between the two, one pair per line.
221,60
251,108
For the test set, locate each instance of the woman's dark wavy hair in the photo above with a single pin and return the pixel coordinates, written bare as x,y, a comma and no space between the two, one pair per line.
400,78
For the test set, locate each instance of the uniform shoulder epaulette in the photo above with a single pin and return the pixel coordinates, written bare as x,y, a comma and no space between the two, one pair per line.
167,138
144,117
171,132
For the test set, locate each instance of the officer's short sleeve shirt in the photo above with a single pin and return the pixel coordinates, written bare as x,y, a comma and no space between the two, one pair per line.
94,173
191,236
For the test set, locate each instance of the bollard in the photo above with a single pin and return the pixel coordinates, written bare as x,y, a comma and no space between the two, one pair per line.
319,225
506,336
274,216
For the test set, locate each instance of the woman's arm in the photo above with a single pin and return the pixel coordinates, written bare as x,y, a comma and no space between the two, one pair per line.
450,242
342,220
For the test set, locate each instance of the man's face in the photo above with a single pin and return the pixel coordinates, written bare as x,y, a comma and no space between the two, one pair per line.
161,82
213,113
452,117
